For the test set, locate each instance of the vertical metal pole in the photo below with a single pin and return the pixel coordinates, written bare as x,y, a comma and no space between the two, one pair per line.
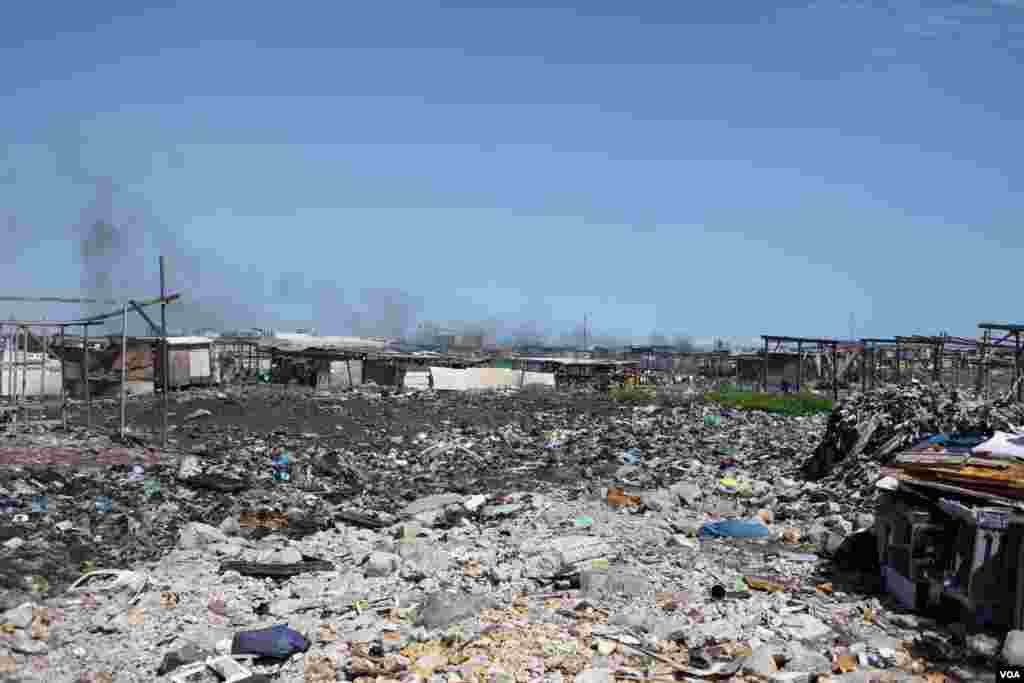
164,354
85,376
63,408
124,368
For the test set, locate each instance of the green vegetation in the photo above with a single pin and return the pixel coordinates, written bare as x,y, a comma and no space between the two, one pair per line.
627,393
783,404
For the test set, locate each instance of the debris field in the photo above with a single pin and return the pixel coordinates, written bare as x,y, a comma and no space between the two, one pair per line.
532,536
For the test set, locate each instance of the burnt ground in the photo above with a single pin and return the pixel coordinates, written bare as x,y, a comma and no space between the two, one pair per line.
368,451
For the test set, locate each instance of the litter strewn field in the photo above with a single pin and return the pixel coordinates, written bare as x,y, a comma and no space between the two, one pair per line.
495,536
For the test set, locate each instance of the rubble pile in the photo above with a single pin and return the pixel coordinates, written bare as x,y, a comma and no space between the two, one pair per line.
867,429
502,536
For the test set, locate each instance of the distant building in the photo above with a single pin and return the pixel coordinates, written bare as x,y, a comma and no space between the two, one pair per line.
462,343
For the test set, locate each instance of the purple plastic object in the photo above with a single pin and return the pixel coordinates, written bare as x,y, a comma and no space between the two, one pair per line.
278,642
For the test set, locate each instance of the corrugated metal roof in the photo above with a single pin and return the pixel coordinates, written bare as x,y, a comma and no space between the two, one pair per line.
177,341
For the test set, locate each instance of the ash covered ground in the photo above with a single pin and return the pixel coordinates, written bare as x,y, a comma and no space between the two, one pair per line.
527,536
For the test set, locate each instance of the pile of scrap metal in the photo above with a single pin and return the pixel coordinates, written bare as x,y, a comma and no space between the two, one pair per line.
950,524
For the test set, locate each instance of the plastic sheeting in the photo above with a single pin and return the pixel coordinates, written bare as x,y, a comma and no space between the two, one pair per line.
417,380
1003,444
449,379
199,363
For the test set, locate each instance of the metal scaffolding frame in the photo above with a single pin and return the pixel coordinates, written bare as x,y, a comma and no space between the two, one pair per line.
820,343
15,336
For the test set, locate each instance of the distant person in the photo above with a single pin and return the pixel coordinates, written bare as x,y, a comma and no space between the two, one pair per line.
785,386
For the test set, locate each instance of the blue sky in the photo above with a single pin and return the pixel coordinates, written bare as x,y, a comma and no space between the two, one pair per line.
685,167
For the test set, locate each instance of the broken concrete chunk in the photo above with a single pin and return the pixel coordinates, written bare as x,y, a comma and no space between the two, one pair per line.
594,676
196,535
565,552
687,494
761,662
441,610
380,564
432,509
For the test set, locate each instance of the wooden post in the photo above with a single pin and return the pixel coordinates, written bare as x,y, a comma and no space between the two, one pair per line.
1017,366
42,372
988,369
63,408
16,400
85,376
835,374
9,365
764,367
799,365
899,364
863,366
978,375
124,369
24,366
164,353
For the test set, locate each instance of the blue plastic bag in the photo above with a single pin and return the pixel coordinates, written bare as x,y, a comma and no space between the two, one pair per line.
734,528
278,642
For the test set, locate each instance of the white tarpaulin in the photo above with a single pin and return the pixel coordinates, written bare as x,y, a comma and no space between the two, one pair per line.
546,379
199,362
417,380
448,379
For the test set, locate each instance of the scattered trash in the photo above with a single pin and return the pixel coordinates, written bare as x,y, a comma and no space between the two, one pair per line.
104,504
281,467
195,414
583,521
630,457
277,571
39,504
617,498
277,642
735,528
